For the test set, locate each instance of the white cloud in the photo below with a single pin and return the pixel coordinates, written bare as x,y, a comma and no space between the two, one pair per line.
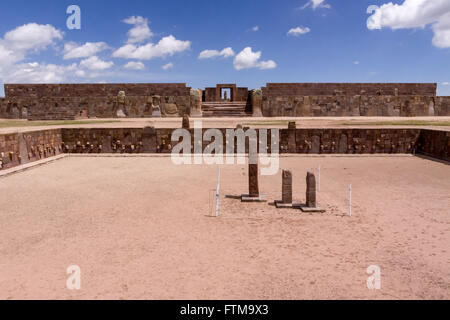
414,14
22,41
298,31
134,65
446,83
140,32
248,59
167,46
255,28
208,54
94,63
356,62
73,50
167,66
32,36
38,73
316,4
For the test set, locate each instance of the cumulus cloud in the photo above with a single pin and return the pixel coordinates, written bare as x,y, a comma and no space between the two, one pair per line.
446,83
134,65
255,28
248,59
298,31
73,50
414,14
316,4
167,46
38,73
167,66
140,32
209,54
19,43
95,63
32,36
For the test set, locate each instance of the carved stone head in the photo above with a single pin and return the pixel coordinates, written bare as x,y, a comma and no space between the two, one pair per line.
121,97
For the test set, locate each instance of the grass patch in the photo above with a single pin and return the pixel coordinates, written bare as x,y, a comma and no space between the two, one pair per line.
268,123
399,123
16,123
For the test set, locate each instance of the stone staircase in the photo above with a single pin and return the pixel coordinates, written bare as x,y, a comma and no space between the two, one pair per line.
224,109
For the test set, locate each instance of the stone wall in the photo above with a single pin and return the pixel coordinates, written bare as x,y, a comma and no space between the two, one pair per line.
348,141
95,90
444,106
308,141
21,148
57,108
13,109
73,101
350,89
435,144
347,106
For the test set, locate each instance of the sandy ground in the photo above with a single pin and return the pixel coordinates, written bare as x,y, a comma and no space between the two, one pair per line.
306,122
139,228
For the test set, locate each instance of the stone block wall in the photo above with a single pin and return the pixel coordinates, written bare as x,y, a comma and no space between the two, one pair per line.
348,141
353,99
435,144
72,101
348,106
350,89
444,106
57,108
21,148
95,90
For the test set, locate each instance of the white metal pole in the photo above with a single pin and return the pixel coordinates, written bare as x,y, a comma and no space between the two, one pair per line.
350,200
319,178
218,192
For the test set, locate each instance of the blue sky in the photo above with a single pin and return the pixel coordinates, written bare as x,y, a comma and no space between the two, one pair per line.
329,41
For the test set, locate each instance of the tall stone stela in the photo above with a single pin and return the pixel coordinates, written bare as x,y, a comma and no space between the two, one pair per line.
311,190
253,187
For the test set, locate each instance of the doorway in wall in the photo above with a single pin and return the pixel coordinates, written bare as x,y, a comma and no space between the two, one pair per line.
225,94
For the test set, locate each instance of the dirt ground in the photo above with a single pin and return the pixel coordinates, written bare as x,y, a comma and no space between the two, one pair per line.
139,228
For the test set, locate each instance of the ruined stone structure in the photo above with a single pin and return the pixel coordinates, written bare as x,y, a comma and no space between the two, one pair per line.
21,148
18,148
353,99
73,101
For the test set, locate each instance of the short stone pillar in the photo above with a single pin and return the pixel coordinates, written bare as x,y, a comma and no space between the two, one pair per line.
286,191
253,186
311,200
196,103
185,123
256,101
